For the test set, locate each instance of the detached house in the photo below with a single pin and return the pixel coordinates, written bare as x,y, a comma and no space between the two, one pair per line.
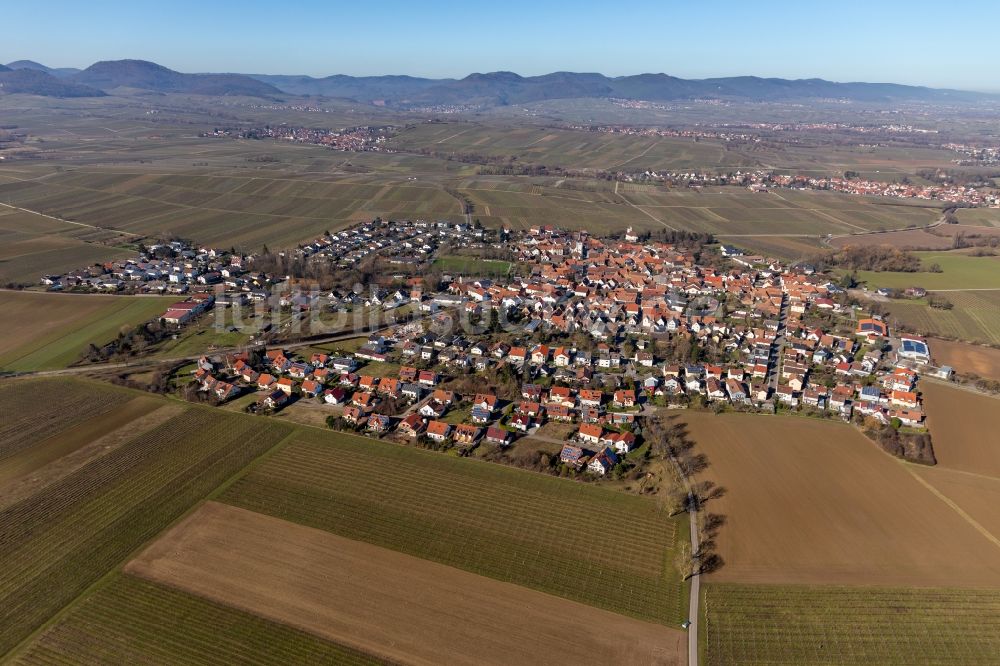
412,425
497,435
467,434
438,430
590,433
572,456
624,398
603,462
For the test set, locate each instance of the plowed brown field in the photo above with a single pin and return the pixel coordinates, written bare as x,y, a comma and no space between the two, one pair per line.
967,358
809,501
965,426
387,603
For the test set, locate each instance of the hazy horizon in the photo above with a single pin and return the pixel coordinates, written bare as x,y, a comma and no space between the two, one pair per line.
891,42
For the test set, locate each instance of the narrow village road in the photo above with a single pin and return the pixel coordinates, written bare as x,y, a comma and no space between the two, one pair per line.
777,345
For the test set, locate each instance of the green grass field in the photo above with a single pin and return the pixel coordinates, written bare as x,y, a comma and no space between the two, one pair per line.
472,266
67,535
771,624
958,271
979,217
49,331
131,621
205,335
560,537
975,316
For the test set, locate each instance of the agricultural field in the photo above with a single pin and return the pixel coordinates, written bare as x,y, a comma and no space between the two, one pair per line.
46,330
37,411
967,358
974,317
731,212
127,620
576,149
796,624
963,424
62,538
567,148
249,211
810,501
87,426
904,239
979,217
486,519
364,596
959,270
977,496
32,246
464,265
735,212
787,248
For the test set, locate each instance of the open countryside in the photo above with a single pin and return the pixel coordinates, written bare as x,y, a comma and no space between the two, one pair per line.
330,340
785,521
47,331
362,595
415,502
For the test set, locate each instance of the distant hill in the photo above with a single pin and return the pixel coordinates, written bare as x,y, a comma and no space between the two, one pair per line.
110,74
366,88
58,72
503,88
489,89
36,82
5,69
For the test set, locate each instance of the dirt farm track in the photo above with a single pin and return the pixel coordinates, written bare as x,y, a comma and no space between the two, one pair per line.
387,603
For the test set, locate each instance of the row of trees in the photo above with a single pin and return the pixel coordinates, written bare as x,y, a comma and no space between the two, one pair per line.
869,258
667,438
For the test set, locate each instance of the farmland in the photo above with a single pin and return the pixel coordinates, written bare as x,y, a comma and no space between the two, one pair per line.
248,211
787,248
958,271
905,239
34,412
567,148
50,330
33,245
974,317
809,501
67,535
40,451
132,621
577,149
362,595
483,518
775,624
132,178
963,423
982,217
966,358
730,212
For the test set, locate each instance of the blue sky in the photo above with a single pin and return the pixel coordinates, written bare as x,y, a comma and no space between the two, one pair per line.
918,42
